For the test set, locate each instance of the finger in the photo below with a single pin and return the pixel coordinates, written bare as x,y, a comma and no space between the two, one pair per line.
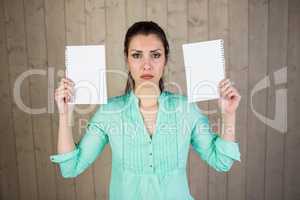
229,89
67,81
223,82
233,95
66,96
67,93
64,92
227,81
225,87
61,90
230,95
66,86
224,95
62,81
60,98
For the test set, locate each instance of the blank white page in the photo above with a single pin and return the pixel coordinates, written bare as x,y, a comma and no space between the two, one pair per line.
85,65
205,68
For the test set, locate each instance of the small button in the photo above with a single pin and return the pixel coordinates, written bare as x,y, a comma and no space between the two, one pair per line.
150,154
150,165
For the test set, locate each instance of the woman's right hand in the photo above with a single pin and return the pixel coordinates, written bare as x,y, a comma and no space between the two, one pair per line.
63,95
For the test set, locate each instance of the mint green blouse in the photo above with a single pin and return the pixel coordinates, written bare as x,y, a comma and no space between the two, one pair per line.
145,168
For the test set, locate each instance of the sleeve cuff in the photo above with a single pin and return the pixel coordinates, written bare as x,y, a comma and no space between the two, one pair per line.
59,158
228,148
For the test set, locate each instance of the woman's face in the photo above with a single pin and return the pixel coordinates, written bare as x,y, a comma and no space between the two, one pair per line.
146,60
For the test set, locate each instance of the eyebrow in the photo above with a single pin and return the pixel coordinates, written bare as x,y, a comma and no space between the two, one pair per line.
139,51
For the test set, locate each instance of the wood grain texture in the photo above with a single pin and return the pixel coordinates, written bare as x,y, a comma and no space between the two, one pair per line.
256,138
260,36
56,39
76,34
135,11
37,60
23,128
115,34
198,31
238,72
277,59
218,28
292,142
157,11
9,180
95,34
177,14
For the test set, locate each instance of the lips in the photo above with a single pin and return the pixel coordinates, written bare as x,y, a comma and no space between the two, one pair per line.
147,76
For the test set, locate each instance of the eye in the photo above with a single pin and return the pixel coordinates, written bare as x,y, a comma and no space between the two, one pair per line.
136,55
156,55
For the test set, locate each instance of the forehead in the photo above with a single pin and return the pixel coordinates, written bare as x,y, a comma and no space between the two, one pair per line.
145,42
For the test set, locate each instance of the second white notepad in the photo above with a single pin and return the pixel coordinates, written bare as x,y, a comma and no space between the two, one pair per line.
86,65
205,68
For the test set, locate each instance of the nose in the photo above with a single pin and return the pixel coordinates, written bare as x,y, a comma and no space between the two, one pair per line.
147,64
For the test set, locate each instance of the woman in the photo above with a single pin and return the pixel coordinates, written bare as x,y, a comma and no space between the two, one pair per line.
149,129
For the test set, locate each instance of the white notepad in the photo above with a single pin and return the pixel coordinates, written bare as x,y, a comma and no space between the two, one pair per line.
205,68
85,65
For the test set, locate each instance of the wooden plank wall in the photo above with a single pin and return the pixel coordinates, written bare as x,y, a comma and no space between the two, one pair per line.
261,37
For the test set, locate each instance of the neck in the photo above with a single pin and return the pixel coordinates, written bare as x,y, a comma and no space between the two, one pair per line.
147,96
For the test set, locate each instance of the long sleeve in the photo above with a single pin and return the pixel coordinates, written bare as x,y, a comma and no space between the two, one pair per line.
217,152
89,148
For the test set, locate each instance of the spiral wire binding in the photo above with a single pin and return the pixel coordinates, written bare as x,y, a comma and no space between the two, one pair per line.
222,54
66,56
72,100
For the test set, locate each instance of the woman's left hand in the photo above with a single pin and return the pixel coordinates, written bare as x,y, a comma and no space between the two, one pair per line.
229,97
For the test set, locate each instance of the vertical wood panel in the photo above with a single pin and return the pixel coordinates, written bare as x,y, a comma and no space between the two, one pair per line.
157,11
95,30
260,38
17,58
292,143
37,59
198,31
55,32
277,59
135,11
238,72
76,35
95,22
115,33
8,160
218,28
256,140
177,14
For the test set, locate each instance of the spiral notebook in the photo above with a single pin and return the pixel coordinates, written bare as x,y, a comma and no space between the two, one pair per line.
205,68
85,65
